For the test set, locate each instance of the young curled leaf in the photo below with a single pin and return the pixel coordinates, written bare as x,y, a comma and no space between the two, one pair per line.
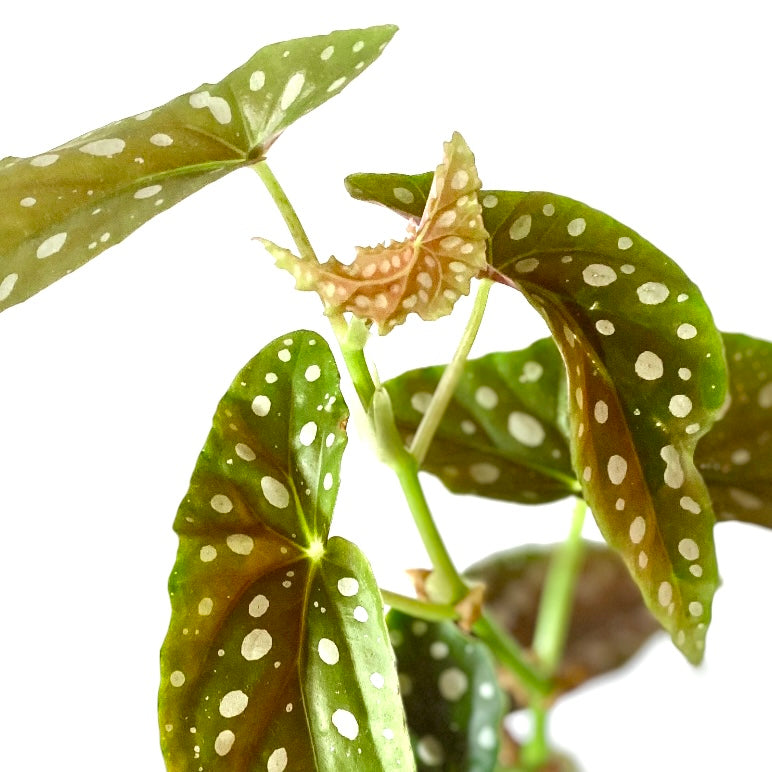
426,273
277,655
735,456
63,207
646,378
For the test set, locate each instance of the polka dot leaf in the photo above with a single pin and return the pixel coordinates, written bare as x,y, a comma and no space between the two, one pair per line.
504,433
277,655
426,273
452,698
609,621
735,456
646,378
63,207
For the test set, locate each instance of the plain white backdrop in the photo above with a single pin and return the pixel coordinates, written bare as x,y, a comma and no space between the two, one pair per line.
656,113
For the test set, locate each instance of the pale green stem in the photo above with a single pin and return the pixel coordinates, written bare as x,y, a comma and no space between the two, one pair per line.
448,584
552,627
354,357
450,377
558,595
287,211
431,612
511,655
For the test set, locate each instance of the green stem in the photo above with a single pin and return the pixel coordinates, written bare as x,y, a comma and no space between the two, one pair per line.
447,584
351,338
431,612
450,377
558,594
512,656
287,211
552,627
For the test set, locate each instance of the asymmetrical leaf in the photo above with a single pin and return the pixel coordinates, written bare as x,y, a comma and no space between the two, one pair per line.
65,206
504,433
609,621
452,699
735,456
426,273
277,655
646,378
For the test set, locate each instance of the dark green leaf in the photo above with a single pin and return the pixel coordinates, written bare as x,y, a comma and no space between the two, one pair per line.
609,621
65,206
277,654
646,378
504,433
453,703
735,456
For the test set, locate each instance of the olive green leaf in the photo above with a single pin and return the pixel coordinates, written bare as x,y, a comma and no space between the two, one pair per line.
646,378
504,433
426,273
735,456
452,699
65,206
609,621
277,654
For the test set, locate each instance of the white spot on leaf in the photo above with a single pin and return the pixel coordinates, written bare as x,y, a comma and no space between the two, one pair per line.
256,644
345,723
103,147
51,245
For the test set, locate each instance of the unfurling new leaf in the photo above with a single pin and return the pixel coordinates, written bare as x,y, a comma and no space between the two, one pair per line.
426,273
277,655
65,206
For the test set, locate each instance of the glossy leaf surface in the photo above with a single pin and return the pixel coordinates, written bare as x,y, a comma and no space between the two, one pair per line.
277,655
65,206
735,457
609,621
504,433
426,273
646,378
453,703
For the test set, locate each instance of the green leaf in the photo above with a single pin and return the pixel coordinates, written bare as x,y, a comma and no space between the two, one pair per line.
65,206
504,433
453,703
646,378
609,621
424,274
735,456
277,654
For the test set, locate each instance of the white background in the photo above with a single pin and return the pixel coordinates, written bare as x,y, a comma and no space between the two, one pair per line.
656,113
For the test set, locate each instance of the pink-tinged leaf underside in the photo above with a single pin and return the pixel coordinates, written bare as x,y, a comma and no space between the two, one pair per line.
452,698
63,207
735,456
504,434
277,655
426,273
646,376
